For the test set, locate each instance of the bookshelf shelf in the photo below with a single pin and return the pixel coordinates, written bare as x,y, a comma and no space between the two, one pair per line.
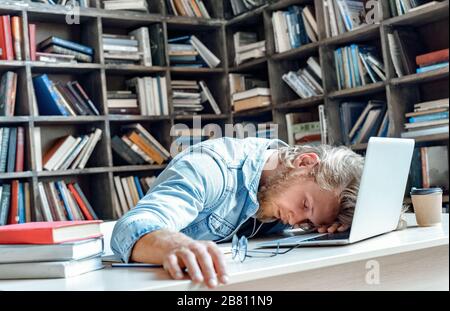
13,120
432,138
132,118
203,116
251,65
136,168
422,16
63,67
358,91
300,103
42,120
358,35
194,21
196,70
7,176
117,69
247,17
9,65
252,113
86,171
421,77
301,52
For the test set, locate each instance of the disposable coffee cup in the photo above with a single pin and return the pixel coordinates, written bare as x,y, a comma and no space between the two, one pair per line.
427,205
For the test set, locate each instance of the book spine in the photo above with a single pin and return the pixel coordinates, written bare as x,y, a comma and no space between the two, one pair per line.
432,58
14,208
432,67
16,31
4,204
431,117
20,152
72,45
61,50
7,48
12,150
85,200
4,149
32,35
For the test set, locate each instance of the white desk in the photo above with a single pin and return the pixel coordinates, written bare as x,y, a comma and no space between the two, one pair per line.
413,259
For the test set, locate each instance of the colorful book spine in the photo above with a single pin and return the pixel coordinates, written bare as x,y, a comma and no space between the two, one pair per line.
67,44
430,117
432,67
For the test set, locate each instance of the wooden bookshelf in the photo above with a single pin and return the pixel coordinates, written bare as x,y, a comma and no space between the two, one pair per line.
400,93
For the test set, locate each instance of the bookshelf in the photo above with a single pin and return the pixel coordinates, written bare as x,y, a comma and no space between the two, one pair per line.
217,34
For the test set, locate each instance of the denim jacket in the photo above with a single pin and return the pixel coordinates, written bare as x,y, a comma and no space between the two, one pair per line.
206,192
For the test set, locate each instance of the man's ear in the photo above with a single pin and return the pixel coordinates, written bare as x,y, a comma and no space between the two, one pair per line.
308,160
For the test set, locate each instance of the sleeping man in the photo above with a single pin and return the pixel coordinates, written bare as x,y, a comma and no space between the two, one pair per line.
249,187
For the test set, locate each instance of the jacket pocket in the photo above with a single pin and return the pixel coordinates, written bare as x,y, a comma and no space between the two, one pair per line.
219,226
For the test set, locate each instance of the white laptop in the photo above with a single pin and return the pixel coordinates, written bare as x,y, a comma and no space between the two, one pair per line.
380,196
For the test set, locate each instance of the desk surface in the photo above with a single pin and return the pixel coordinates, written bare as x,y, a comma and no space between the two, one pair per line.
299,260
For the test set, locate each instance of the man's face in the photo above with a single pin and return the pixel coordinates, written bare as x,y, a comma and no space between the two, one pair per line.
294,197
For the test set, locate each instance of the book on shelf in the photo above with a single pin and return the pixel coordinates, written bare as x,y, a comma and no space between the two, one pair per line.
294,28
241,6
50,232
129,190
401,7
64,99
305,82
252,99
190,96
241,82
51,269
304,128
8,93
131,5
12,39
15,253
247,46
15,203
435,167
189,51
12,151
80,3
59,46
188,8
428,118
358,65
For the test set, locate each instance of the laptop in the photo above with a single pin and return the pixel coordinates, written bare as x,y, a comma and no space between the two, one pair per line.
380,197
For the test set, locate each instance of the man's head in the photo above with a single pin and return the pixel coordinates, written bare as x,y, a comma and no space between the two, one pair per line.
316,185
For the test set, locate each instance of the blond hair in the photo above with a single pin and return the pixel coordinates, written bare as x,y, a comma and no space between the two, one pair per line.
339,168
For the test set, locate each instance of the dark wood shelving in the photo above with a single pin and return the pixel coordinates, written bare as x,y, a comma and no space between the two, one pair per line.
421,77
358,91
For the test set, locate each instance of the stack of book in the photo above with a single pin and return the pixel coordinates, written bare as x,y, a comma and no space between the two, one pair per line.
134,48
430,168
294,28
61,201
15,203
12,149
305,128
401,7
428,118
132,5
71,152
50,250
409,54
8,92
189,51
137,146
361,120
146,96
190,8
247,46
65,50
129,191
345,15
249,92
80,3
242,6
65,99
189,97
358,65
306,82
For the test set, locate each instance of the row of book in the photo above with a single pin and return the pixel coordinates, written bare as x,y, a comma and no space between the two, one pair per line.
79,3
11,38
430,168
409,53
362,120
15,203
293,28
307,128
65,99
249,92
241,6
346,15
358,65
12,149
306,82
8,93
189,97
145,96
71,152
189,51
137,146
129,191
143,46
48,250
189,8
247,46
428,118
401,7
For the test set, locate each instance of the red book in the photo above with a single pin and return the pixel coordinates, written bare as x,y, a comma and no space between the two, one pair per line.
432,58
16,31
5,28
32,35
20,151
80,202
50,232
14,209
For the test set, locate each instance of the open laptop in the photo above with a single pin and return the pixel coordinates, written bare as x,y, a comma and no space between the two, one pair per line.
380,196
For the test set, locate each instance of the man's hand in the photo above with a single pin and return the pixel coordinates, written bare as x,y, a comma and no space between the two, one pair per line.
333,228
203,260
